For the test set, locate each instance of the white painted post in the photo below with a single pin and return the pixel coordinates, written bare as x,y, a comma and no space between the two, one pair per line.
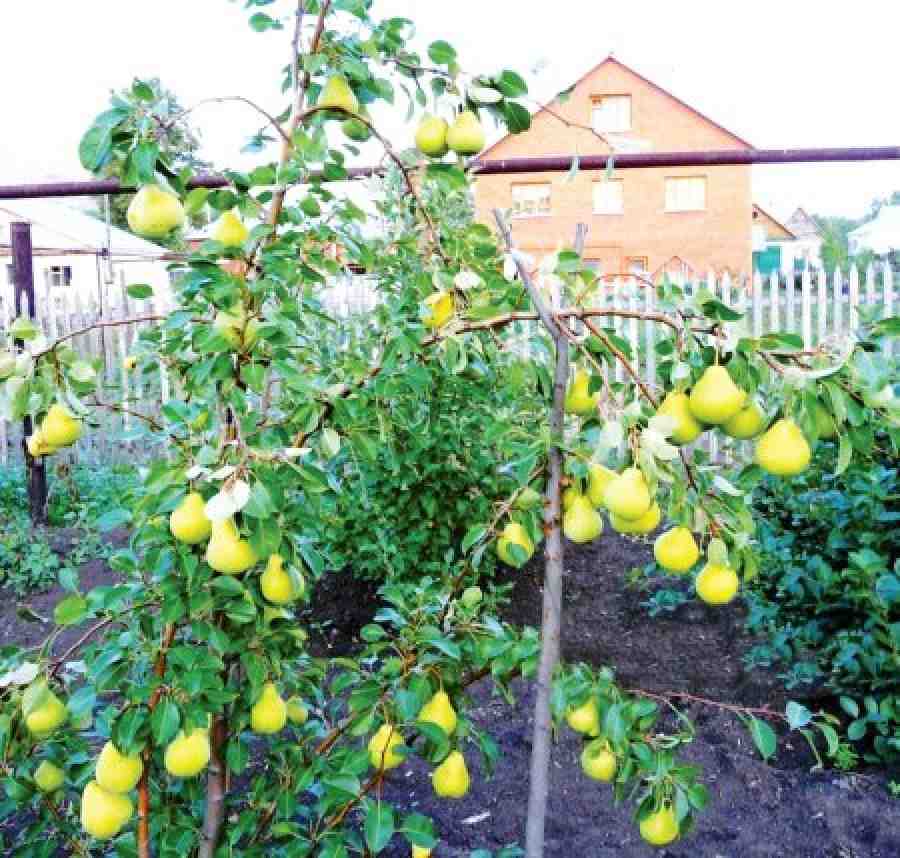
822,303
806,308
888,286
870,286
633,333
617,303
757,299
837,299
790,303
774,302
854,298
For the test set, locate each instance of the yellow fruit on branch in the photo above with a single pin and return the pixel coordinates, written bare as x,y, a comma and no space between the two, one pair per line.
466,136
451,778
747,423
281,586
585,718
715,398
37,445
129,362
717,584
49,777
44,712
188,753
439,308
269,714
647,523
431,137
581,522
599,477
154,213
660,828
439,710
687,427
60,428
598,761
825,425
381,748
628,495
676,550
297,712
230,230
337,95
227,551
568,497
783,450
103,813
234,326
117,772
188,522
514,534
420,852
579,400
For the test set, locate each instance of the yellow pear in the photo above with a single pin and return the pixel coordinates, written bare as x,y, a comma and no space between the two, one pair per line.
50,714
439,710
628,495
60,427
38,446
237,331
129,362
154,213
381,748
568,497
676,550
584,719
269,713
431,137
599,477
660,828
747,423
297,712
717,584
227,552
825,426
466,135
582,523
451,778
439,309
337,95
188,753
514,534
278,585
103,813
420,852
677,406
647,523
715,398
188,522
49,777
117,772
598,761
578,398
783,450
230,230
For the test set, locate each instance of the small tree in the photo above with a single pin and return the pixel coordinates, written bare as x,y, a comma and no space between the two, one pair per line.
193,669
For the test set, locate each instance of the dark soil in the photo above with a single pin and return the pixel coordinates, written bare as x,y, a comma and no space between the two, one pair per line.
780,810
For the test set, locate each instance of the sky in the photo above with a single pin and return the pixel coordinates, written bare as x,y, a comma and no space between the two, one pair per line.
780,73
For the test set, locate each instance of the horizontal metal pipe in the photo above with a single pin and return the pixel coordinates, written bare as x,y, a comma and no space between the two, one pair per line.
541,164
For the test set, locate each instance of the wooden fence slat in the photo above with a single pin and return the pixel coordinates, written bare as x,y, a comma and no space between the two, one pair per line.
806,308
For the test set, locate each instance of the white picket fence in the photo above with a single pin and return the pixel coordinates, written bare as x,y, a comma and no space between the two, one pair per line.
817,307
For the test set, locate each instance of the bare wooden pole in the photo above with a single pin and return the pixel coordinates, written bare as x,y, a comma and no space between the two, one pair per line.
551,618
23,277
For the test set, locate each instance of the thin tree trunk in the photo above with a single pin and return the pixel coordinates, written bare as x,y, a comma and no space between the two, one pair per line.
216,789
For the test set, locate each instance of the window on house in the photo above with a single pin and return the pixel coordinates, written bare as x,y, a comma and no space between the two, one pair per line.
60,275
531,200
609,197
686,194
637,265
10,273
611,114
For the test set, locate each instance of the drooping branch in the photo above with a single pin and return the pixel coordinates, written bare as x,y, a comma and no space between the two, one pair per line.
100,323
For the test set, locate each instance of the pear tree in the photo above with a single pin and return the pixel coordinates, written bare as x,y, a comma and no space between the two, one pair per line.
191,715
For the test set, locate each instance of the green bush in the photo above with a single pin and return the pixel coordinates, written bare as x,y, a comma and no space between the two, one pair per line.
828,591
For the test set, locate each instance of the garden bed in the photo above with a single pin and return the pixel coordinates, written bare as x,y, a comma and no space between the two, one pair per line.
756,810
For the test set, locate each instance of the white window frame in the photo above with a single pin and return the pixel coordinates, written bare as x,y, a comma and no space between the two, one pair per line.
611,114
606,185
676,202
59,276
630,268
542,190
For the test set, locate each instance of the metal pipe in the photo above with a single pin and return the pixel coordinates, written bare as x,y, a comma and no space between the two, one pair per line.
507,166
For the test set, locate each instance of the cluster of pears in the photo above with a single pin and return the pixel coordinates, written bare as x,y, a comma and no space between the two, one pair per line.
41,720
450,779
677,551
59,428
105,804
715,400
435,137
155,212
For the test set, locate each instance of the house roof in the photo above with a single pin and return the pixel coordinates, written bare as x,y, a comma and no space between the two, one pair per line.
613,60
802,225
773,222
881,235
57,226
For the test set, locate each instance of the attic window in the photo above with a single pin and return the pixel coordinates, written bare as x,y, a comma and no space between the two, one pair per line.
611,114
60,275
531,200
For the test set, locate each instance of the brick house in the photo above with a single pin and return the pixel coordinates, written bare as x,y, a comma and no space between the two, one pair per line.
651,220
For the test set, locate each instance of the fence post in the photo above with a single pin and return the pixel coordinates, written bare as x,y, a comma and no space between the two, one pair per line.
23,276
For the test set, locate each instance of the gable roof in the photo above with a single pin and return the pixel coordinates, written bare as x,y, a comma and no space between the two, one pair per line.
773,221
610,59
802,225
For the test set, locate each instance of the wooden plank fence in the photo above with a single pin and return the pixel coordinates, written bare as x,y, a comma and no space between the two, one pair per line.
817,307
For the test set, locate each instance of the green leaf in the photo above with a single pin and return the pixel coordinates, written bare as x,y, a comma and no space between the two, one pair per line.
763,737
165,721
517,117
379,827
112,519
475,534
70,610
442,53
798,715
511,84
845,454
262,22
139,291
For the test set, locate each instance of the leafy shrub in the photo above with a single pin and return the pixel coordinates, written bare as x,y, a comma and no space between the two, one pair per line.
828,592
